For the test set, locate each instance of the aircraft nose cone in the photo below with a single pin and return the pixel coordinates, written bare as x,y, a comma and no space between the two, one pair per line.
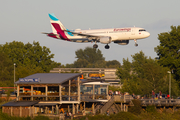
147,34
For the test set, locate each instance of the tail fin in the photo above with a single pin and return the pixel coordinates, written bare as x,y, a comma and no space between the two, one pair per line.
57,26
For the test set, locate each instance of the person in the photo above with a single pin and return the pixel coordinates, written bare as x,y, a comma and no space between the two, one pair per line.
160,94
168,96
153,94
70,114
107,113
114,112
133,95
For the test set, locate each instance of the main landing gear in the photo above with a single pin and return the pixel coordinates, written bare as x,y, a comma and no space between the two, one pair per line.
107,46
135,42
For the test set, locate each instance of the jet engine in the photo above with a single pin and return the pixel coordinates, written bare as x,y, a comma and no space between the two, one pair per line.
105,40
122,42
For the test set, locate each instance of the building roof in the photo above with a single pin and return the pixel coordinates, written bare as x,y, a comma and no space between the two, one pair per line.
45,104
20,103
50,78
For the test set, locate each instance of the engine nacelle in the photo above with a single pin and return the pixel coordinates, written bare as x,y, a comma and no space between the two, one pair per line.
122,42
105,40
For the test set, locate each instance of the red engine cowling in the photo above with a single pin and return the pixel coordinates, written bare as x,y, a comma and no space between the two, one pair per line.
122,42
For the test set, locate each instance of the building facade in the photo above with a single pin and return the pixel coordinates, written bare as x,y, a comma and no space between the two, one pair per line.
53,93
108,74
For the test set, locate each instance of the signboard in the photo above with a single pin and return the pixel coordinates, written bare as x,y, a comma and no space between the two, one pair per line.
29,79
96,75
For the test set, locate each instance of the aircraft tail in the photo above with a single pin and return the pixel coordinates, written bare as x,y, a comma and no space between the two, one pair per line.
57,27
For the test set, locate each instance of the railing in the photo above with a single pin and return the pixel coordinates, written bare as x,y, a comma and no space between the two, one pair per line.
93,97
123,98
160,102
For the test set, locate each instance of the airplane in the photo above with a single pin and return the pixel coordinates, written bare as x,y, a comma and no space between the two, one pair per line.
119,36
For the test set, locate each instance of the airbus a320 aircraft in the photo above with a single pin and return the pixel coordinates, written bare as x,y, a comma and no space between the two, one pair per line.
119,36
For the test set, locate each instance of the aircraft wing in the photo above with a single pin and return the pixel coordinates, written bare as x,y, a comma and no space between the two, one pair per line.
86,35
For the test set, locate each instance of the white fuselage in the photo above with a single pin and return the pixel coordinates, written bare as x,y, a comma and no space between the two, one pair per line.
115,33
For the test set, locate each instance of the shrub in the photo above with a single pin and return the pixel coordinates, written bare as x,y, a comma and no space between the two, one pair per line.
136,109
39,117
151,108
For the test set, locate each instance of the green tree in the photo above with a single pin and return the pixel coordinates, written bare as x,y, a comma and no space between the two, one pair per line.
81,63
169,50
29,54
89,57
6,70
113,64
144,75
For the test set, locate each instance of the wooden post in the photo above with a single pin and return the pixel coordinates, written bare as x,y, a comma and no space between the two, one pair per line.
68,108
60,93
57,110
107,91
17,93
73,109
11,110
93,91
84,106
126,108
77,107
93,108
121,106
52,109
78,88
31,92
46,92
69,89
20,111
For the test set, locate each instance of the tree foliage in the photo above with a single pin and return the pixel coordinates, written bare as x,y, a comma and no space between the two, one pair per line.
169,50
6,70
144,75
29,54
29,59
92,58
92,55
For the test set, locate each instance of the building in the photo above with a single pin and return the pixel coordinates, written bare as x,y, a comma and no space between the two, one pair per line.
53,93
108,74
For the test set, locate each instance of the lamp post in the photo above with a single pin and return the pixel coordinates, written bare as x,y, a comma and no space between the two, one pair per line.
169,83
14,77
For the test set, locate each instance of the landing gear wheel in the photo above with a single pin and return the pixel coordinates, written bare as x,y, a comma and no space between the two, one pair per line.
95,46
107,47
136,44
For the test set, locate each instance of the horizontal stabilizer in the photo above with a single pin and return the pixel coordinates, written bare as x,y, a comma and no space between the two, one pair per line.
51,34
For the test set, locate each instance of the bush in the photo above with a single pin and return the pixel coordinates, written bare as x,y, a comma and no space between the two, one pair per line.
136,109
151,109
39,117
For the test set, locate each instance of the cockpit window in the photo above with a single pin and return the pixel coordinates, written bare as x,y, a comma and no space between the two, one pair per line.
142,30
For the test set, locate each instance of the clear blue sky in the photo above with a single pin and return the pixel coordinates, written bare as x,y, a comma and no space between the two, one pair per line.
24,21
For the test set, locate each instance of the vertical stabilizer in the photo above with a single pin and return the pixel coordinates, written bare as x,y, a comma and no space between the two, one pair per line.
57,26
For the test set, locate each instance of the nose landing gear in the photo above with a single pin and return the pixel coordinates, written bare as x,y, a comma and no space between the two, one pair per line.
95,46
135,42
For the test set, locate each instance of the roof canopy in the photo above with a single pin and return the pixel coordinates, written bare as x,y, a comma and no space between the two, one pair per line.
20,103
48,78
